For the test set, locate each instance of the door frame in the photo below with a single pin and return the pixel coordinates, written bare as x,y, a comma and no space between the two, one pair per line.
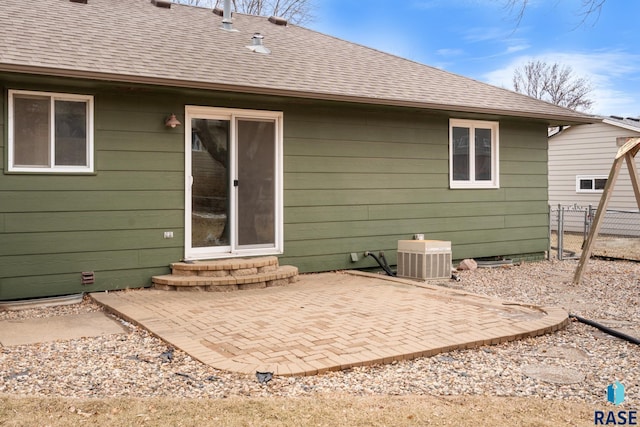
233,250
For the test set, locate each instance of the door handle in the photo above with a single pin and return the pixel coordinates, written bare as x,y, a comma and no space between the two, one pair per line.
235,182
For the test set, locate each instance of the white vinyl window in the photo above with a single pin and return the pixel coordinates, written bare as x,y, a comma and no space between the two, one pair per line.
50,132
590,183
473,154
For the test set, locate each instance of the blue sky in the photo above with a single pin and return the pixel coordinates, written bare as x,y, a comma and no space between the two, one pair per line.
482,39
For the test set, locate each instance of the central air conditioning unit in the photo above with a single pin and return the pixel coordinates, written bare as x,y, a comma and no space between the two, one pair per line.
424,259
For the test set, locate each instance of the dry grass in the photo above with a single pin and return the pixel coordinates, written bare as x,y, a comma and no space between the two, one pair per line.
320,411
606,246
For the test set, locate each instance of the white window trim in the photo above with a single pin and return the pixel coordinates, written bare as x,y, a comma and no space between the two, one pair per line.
495,158
233,250
592,178
54,96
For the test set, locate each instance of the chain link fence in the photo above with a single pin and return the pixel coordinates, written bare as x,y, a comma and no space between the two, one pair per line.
619,235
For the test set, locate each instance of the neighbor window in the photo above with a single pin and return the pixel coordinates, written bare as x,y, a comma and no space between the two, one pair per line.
473,154
590,183
50,132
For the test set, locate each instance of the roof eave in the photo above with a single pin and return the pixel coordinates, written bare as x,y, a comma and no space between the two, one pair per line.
621,125
163,81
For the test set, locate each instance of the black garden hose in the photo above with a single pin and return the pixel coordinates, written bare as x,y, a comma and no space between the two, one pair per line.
386,264
606,329
383,266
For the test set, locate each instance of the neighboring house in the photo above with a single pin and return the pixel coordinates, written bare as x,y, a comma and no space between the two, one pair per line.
313,151
580,159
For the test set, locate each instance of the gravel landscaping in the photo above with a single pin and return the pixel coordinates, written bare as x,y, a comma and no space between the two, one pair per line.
574,364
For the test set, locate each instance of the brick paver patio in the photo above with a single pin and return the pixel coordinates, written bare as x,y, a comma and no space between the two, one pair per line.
327,321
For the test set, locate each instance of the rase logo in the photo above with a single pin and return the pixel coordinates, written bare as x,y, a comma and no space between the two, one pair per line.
615,395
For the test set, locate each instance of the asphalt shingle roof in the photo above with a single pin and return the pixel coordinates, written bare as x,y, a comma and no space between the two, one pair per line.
135,41
631,123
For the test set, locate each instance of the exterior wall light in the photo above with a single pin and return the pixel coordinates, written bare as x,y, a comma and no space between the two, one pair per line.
172,121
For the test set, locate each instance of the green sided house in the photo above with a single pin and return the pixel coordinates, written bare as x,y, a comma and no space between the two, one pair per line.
138,133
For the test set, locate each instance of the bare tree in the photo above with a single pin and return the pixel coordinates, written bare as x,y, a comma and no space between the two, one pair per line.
588,8
553,83
295,11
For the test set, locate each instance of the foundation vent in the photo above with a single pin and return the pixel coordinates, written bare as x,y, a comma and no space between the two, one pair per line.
88,277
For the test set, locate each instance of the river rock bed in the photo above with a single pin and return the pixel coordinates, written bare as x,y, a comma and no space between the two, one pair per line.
577,363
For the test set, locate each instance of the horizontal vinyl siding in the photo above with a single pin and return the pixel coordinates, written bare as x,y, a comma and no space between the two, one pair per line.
588,150
358,180
355,179
3,131
56,226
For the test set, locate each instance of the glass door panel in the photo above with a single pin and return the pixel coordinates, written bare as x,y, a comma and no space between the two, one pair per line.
256,182
210,186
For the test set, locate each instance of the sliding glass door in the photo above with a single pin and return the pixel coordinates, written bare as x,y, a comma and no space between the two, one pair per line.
233,182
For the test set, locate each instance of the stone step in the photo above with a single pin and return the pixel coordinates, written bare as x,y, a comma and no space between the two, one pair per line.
236,279
224,267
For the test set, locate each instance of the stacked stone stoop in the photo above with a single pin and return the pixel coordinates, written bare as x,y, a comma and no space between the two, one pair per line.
226,275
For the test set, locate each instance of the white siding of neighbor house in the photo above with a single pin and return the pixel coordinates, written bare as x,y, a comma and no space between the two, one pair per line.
588,150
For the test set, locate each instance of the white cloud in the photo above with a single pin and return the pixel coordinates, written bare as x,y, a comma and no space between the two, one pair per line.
517,48
502,39
428,4
612,74
450,52
483,34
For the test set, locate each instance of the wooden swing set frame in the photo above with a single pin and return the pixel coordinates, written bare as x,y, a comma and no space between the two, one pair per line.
629,147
